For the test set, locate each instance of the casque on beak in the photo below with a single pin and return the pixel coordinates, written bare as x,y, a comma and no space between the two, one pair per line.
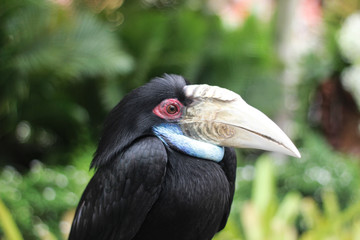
222,117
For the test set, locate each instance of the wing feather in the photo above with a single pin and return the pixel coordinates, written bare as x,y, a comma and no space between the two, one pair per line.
118,197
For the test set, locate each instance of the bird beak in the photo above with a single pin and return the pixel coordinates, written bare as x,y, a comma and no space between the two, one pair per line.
222,117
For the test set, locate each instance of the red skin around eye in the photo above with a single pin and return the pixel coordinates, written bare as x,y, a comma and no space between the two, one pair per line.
160,110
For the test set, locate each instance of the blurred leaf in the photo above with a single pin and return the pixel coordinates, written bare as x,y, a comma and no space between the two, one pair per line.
284,220
331,204
289,208
253,223
8,225
311,212
263,195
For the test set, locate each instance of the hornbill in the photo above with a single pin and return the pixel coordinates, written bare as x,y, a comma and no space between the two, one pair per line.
165,166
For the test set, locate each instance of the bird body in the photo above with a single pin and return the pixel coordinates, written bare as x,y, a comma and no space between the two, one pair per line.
165,170
164,194
194,202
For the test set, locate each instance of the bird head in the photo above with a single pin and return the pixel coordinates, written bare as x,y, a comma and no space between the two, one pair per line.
198,120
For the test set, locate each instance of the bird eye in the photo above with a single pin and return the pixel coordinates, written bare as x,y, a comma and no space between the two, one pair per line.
171,109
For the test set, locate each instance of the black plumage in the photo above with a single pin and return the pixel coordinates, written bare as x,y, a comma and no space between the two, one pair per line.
144,189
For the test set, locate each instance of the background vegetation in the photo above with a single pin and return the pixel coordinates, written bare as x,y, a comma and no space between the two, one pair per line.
64,64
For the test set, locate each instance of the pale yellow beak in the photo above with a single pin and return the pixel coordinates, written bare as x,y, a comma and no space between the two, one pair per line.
222,117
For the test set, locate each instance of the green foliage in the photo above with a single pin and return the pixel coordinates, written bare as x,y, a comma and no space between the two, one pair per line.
39,198
55,63
235,62
332,222
265,216
320,167
239,59
60,44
